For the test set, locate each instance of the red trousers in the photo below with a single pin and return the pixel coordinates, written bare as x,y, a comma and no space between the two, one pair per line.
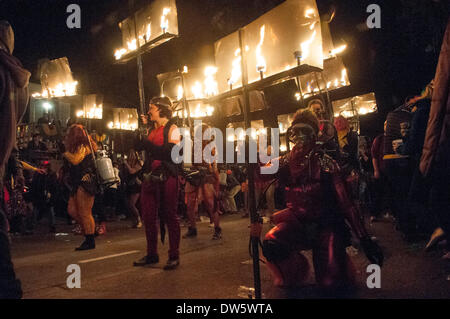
164,197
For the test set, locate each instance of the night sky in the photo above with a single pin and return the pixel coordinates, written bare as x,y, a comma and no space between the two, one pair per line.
395,61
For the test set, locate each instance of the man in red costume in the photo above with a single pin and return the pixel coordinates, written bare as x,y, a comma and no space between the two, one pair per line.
317,216
159,191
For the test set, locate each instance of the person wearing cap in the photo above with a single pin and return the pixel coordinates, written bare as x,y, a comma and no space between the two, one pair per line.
160,187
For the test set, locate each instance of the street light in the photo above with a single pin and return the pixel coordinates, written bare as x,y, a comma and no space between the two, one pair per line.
47,106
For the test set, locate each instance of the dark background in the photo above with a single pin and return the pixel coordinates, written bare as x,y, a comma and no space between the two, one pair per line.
395,61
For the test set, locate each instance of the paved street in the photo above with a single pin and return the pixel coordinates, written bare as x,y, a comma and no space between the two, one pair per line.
208,269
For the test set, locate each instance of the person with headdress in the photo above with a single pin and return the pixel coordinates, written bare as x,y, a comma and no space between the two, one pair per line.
80,178
160,187
319,210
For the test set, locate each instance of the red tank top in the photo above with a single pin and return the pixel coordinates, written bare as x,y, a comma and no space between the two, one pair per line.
156,137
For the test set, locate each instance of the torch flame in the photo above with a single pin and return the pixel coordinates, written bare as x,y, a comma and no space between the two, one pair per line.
338,50
197,90
180,92
305,45
260,61
236,71
211,87
209,110
61,89
164,21
344,77
309,13
119,53
149,32
132,45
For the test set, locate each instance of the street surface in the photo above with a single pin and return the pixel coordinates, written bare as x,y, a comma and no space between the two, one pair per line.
209,269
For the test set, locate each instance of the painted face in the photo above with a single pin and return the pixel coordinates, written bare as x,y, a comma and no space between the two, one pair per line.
302,135
317,109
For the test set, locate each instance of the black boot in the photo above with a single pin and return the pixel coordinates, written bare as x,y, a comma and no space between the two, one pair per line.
89,243
172,264
192,232
146,261
217,233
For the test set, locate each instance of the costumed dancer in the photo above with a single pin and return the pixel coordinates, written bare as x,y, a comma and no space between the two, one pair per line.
318,210
203,187
80,178
160,187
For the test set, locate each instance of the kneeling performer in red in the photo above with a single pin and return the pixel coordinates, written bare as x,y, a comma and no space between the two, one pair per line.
317,216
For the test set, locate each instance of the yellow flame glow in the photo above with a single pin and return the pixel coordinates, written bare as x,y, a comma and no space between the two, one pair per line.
338,50
119,53
211,87
180,92
61,89
236,71
344,76
309,13
164,20
132,45
149,32
260,61
209,110
197,90
306,44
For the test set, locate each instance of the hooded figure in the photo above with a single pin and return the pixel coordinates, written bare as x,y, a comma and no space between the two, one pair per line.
13,102
13,93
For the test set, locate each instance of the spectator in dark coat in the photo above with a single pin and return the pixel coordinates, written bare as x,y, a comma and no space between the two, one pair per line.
435,159
13,102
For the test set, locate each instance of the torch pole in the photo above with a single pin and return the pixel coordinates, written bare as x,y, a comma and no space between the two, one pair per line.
298,57
186,109
254,217
138,60
329,105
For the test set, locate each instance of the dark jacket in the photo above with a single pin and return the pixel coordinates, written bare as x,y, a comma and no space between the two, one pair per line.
436,147
13,93
13,102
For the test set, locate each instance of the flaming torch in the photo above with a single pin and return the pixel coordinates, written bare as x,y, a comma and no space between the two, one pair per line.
164,20
197,90
148,33
180,93
260,61
236,71
210,83
305,45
